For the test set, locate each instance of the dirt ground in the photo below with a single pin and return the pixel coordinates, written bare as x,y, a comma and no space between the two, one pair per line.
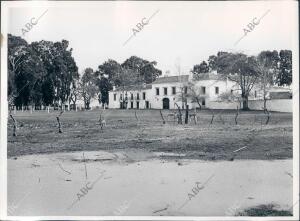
251,138
150,168
107,184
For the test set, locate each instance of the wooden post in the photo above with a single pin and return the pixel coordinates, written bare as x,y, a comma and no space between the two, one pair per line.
212,117
15,125
236,115
180,114
58,121
186,121
268,117
136,116
162,117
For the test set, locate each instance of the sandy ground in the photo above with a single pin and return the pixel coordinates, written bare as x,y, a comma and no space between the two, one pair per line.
115,184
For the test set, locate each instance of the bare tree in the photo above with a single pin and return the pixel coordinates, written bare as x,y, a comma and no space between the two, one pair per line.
194,94
181,95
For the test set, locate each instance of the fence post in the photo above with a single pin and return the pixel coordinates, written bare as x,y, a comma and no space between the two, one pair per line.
186,121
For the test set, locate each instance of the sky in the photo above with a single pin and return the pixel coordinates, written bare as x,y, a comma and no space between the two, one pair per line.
179,33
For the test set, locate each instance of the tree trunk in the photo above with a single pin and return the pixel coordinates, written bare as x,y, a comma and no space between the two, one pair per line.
198,102
245,102
186,120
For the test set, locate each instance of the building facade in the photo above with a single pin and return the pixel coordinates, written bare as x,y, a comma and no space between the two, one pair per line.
161,94
169,92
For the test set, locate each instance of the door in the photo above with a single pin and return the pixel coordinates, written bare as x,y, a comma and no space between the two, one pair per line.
137,105
147,104
166,103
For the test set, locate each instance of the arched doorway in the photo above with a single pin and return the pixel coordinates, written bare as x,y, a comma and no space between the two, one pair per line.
166,103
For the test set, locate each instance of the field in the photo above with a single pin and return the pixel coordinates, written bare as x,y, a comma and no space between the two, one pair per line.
144,131
150,167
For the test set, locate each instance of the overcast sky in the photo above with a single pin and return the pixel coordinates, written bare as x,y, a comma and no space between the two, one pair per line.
182,32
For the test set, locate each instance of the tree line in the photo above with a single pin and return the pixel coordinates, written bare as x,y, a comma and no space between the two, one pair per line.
45,73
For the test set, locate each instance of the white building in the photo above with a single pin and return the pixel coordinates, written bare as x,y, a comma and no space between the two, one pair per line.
161,94
169,92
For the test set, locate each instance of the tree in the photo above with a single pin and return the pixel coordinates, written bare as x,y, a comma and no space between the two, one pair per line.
16,56
65,70
103,85
200,68
88,87
74,92
181,95
128,77
60,66
212,63
285,68
241,69
267,64
48,92
25,71
111,69
194,94
144,69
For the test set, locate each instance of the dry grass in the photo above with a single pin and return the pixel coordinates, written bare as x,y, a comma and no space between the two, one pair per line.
38,133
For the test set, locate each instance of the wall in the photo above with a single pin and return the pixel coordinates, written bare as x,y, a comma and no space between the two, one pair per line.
157,100
142,103
224,86
281,105
222,105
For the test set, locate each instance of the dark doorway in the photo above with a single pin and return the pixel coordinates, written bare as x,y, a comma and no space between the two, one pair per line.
131,105
166,103
137,105
147,104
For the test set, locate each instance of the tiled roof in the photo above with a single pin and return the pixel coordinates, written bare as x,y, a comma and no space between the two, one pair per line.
171,79
134,87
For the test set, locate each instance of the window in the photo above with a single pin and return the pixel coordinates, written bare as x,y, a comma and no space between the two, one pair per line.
131,96
185,89
131,104
173,90
144,95
165,91
202,90
216,90
137,96
157,91
115,97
